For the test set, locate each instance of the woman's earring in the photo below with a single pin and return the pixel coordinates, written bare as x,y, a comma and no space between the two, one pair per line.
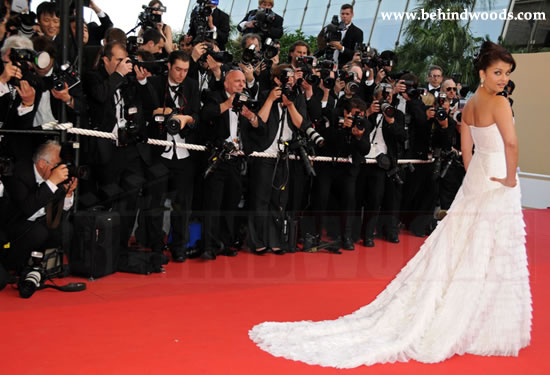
482,81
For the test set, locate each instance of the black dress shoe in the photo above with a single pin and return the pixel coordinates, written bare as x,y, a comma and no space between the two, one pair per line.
347,244
393,238
368,242
278,252
228,253
208,255
178,255
260,252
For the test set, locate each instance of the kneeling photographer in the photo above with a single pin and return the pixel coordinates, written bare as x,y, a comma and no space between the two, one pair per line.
227,121
375,180
345,137
41,192
284,114
175,115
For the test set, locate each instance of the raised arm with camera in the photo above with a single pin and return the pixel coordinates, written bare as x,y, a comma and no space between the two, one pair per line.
262,21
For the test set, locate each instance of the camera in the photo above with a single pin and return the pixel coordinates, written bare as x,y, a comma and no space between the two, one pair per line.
65,74
315,137
252,57
155,67
6,166
22,57
333,31
132,45
358,122
241,99
326,67
199,20
288,90
22,22
149,19
264,19
223,57
306,64
130,133
349,77
387,109
31,281
440,112
217,155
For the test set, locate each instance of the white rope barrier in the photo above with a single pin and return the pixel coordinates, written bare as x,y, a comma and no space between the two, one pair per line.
163,143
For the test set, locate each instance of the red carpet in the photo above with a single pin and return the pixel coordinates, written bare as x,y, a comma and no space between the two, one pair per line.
194,319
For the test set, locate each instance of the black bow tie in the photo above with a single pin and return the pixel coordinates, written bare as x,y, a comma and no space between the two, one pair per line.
178,89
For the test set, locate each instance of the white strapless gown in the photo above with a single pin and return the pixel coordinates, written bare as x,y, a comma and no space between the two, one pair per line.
465,291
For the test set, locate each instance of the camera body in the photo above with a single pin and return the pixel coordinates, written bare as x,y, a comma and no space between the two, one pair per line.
289,91
65,74
130,134
252,57
333,31
24,58
155,67
306,64
199,20
242,99
149,19
264,20
326,67
350,79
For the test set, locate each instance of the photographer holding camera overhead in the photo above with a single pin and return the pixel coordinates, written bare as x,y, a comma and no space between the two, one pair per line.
115,101
17,93
151,18
262,21
340,39
41,191
175,115
207,19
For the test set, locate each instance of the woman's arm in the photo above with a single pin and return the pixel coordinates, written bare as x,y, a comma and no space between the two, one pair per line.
502,113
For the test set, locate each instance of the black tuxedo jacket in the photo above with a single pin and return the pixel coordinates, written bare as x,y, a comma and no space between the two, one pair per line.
26,195
160,96
275,32
215,125
223,28
353,36
100,90
394,134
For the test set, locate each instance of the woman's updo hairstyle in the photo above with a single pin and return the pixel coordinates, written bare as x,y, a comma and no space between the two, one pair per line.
491,53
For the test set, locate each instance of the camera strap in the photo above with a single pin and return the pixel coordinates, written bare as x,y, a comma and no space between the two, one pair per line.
379,122
50,212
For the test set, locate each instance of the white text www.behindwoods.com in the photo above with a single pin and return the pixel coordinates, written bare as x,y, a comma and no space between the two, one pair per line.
465,15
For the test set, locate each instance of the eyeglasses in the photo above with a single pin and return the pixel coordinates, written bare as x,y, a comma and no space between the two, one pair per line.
451,88
436,76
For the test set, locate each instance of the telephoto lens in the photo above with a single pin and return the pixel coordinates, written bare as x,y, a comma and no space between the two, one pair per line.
172,125
315,137
30,284
387,109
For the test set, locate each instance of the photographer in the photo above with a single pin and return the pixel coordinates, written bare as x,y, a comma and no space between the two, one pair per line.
17,95
283,117
49,22
175,116
349,82
350,36
435,77
41,191
217,21
226,130
114,98
374,181
153,42
97,32
262,21
344,137
151,18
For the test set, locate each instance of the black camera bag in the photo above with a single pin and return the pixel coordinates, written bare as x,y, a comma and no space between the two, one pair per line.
96,243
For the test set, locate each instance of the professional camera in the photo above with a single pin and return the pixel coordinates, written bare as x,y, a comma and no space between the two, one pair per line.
242,99
457,116
300,146
217,155
155,67
306,64
314,136
82,172
199,20
252,57
172,125
132,45
393,174
65,74
443,160
369,55
149,19
358,122
6,166
289,91
349,77
130,133
333,31
30,282
223,57
326,67
23,58
440,112
264,20
23,23
387,109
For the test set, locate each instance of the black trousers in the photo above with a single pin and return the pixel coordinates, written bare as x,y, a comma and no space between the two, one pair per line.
449,185
29,236
174,180
222,193
419,196
119,184
371,186
268,197
341,177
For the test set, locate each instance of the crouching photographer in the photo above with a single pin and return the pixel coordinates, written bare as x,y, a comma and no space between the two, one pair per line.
345,137
381,178
283,114
41,193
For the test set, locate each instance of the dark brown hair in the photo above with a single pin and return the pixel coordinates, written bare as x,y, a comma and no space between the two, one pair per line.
491,53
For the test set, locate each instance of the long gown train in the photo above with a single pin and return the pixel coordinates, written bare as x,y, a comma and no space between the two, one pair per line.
465,291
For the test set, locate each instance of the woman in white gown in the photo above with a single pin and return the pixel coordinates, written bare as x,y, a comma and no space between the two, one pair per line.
467,289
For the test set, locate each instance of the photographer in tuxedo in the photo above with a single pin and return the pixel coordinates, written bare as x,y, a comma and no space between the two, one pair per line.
17,97
41,191
218,23
269,26
226,129
352,36
269,178
373,182
115,100
174,99
344,137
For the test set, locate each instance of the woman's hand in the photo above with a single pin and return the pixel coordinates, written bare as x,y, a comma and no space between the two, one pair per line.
508,181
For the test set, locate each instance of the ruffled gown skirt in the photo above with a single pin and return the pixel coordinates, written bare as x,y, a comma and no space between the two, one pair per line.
465,291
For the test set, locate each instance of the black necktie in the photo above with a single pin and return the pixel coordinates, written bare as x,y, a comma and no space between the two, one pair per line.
178,93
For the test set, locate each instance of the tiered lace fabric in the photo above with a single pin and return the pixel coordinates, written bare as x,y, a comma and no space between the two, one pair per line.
465,291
